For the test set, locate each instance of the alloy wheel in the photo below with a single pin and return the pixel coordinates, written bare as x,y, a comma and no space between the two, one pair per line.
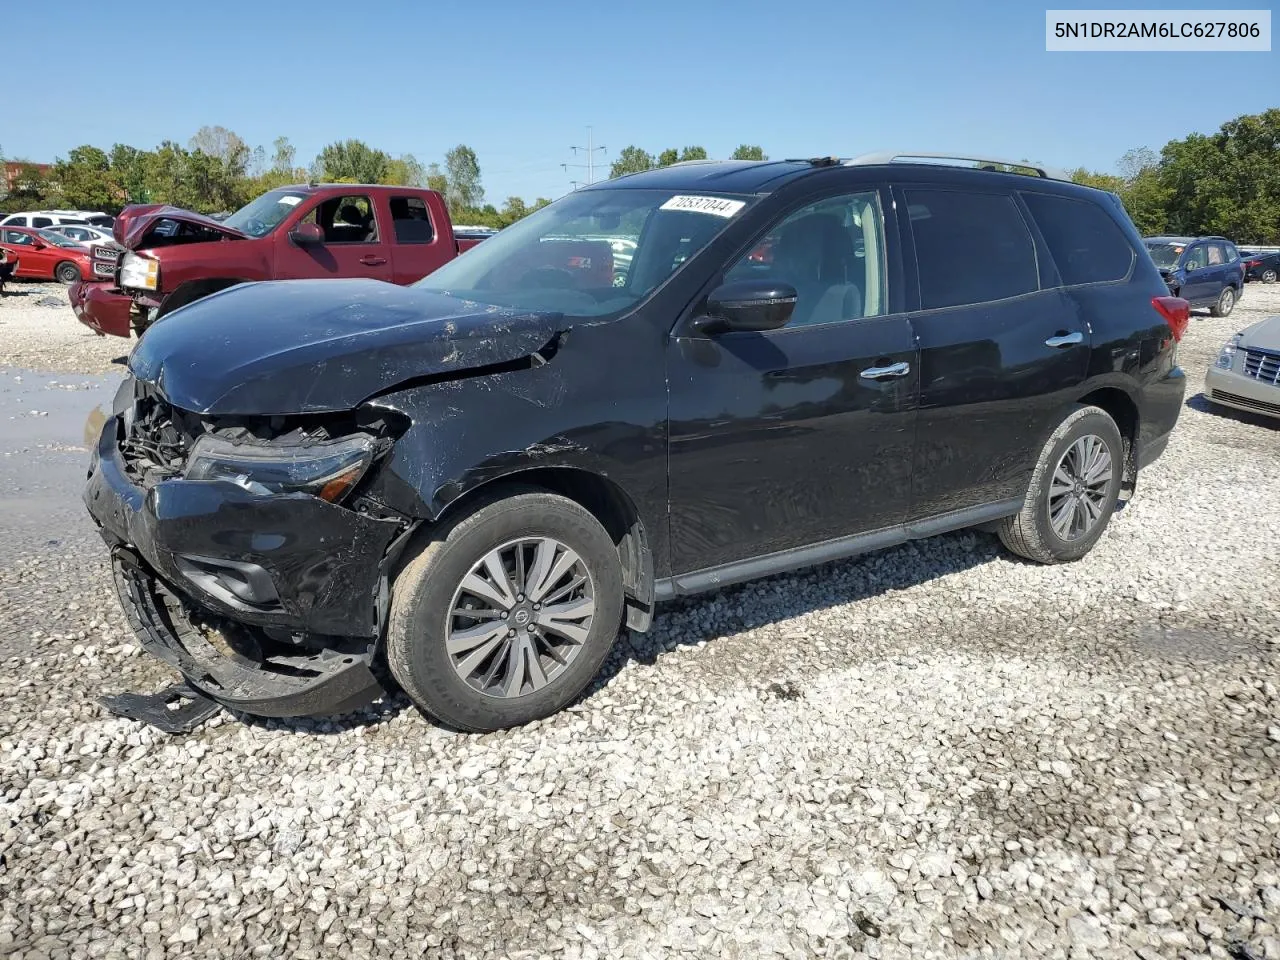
1079,489
520,616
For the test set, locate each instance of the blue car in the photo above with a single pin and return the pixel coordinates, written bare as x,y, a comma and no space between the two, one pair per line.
1206,271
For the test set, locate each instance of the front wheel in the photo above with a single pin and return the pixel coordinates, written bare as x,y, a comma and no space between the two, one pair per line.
1226,301
506,616
67,272
1073,492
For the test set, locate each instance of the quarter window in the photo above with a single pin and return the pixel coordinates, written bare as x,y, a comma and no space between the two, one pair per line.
1085,243
832,252
411,219
970,247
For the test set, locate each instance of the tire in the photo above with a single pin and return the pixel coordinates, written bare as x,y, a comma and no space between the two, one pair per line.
66,272
1269,275
430,587
1226,302
1031,532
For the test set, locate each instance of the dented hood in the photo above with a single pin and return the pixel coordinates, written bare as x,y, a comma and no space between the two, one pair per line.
318,346
136,221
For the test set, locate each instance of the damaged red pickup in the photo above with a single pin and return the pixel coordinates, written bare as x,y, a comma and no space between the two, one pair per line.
171,257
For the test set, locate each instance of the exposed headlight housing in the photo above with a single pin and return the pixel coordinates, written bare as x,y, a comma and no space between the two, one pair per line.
141,273
328,469
1228,353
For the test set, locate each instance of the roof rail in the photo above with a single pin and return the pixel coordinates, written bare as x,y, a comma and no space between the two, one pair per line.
891,156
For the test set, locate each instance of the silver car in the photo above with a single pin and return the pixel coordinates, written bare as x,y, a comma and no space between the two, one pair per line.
1246,375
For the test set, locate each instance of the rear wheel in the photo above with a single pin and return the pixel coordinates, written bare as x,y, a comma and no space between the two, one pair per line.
67,272
1073,491
1269,276
506,617
1226,301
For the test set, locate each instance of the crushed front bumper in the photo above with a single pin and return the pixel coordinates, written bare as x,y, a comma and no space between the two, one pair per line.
267,605
101,307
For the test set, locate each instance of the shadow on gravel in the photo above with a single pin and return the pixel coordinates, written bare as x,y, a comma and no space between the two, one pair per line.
390,706
846,581
1201,403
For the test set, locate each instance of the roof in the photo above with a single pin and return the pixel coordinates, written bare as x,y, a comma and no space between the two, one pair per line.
724,176
309,187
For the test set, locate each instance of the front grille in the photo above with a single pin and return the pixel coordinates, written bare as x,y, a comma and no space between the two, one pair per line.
1260,405
1262,365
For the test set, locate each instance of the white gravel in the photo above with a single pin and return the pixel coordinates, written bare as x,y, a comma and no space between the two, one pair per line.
935,751
38,331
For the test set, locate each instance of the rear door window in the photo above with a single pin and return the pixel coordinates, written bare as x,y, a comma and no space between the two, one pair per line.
1085,242
412,220
970,247
38,222
1217,254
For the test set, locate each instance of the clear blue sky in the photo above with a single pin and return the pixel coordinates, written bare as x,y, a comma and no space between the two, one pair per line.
520,81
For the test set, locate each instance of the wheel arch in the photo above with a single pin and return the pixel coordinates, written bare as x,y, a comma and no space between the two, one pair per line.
1121,406
603,498
193,290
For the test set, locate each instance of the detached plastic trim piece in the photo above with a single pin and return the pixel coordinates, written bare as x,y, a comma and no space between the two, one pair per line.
156,709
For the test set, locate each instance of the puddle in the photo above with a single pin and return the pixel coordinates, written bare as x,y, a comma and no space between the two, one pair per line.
51,411
48,422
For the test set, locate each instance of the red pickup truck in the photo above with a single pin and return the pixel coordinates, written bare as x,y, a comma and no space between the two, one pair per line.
167,257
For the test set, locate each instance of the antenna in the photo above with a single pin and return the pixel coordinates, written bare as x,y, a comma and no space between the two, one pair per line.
590,151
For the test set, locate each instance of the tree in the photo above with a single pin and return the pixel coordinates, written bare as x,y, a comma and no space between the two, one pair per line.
351,161
631,160
748,152
539,204
405,171
514,209
463,189
436,180
1137,161
282,158
129,172
669,156
84,180
1101,181
693,153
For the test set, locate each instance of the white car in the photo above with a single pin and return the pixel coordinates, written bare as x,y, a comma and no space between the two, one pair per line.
39,219
86,235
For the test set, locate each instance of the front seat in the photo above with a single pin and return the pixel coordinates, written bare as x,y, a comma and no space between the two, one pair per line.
815,255
361,230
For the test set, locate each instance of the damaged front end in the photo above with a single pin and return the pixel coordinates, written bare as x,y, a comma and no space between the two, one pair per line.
248,552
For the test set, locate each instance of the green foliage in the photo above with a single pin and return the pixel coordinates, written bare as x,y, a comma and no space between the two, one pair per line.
84,180
463,190
351,161
748,152
631,160
693,153
667,157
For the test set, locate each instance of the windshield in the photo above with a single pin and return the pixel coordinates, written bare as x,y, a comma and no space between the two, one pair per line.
261,216
589,254
57,239
1165,254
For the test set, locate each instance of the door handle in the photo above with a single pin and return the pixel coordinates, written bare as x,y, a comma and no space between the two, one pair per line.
369,260
1064,339
893,370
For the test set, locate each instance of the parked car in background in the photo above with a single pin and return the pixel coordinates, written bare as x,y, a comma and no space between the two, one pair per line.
1260,265
86,235
478,479
1204,271
52,218
44,255
1246,375
172,257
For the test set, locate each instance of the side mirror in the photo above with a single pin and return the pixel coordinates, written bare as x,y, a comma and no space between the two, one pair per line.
307,235
749,305
38,244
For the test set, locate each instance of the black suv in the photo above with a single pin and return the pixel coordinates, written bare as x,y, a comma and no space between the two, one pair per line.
658,385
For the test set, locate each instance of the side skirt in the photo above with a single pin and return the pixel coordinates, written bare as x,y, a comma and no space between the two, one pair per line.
740,571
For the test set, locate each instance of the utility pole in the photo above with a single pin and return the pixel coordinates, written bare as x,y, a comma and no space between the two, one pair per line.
590,151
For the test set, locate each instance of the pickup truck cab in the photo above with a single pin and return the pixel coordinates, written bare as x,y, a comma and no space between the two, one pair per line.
169,257
1204,271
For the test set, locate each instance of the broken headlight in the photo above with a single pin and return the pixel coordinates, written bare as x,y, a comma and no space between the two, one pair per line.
327,470
139,272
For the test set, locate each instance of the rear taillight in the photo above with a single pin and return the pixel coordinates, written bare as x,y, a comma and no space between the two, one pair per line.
1176,313
1253,263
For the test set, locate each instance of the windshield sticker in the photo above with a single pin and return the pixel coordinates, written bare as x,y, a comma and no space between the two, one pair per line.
717,206
291,201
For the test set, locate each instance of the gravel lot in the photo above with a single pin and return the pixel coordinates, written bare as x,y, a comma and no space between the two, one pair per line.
38,331
935,751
